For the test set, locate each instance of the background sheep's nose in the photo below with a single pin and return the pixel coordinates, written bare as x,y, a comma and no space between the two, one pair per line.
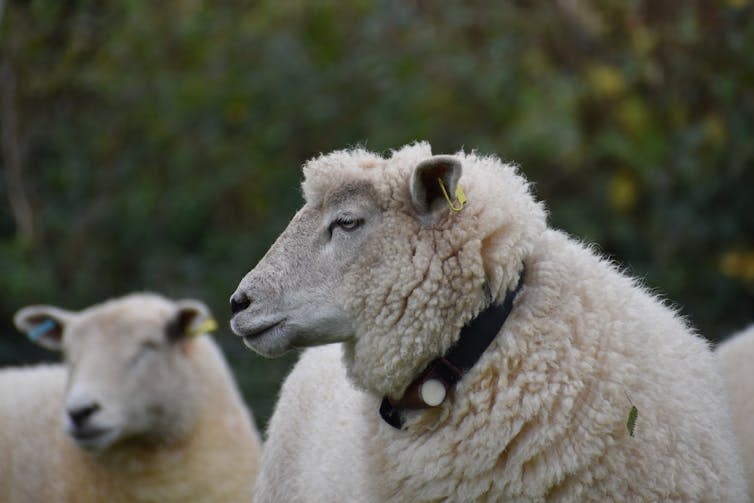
80,414
239,302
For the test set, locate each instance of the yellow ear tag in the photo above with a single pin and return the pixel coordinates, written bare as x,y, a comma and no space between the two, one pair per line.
460,197
208,325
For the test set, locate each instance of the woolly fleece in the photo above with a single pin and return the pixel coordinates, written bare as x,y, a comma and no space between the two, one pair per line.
735,356
216,461
542,415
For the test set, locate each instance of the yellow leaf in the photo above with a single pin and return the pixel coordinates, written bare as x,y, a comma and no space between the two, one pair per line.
623,192
606,81
715,130
738,264
643,40
633,115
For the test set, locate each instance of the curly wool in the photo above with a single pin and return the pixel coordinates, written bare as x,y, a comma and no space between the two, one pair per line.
413,290
542,415
735,356
215,461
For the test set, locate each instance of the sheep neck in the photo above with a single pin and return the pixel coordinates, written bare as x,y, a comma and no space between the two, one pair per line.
475,338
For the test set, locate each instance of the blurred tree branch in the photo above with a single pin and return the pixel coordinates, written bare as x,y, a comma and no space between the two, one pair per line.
11,152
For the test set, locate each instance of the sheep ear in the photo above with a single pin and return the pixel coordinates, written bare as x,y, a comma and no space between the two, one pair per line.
426,192
43,325
191,317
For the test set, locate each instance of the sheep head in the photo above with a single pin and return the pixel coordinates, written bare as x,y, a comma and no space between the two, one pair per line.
377,259
129,368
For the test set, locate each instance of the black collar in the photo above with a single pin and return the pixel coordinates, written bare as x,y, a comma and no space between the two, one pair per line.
475,338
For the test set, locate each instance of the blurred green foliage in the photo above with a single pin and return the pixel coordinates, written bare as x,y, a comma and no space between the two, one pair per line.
159,147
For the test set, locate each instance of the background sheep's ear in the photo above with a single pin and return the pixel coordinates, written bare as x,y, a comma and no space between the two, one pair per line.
191,317
426,194
43,325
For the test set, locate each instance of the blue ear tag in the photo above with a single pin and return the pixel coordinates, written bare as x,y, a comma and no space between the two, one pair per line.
41,329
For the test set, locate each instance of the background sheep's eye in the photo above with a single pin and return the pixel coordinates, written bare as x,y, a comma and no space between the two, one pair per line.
145,348
148,346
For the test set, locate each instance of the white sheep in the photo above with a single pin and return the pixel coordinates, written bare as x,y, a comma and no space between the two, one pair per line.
735,356
592,390
144,409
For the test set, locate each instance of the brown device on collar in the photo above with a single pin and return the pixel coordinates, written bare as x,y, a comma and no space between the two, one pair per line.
438,380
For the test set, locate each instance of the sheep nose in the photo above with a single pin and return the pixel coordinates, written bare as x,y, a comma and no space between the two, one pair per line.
239,302
80,414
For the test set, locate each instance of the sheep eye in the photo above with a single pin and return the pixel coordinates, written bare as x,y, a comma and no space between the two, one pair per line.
146,348
149,346
347,223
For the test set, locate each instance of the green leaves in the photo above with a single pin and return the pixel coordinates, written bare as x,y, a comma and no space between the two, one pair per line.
162,147
631,422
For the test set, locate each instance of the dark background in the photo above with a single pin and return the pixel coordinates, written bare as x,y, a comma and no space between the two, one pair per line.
157,146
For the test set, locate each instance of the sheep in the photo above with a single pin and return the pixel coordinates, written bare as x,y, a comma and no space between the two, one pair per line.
735,357
592,389
144,409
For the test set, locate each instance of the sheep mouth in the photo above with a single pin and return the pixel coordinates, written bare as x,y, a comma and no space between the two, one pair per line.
258,330
93,438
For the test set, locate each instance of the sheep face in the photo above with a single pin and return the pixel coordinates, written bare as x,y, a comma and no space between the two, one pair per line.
295,289
129,370
376,258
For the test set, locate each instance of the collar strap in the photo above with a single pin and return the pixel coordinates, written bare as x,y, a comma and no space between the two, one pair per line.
442,374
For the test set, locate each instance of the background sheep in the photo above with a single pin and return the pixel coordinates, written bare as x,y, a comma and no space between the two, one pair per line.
735,357
376,260
144,410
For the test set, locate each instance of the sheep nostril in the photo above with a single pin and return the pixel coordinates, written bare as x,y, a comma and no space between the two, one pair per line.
79,415
239,302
